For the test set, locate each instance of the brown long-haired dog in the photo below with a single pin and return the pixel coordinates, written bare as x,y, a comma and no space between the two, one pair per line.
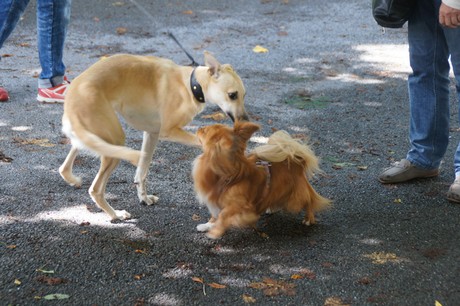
237,188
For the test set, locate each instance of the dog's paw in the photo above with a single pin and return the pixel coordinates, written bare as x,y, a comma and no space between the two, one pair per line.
308,222
121,215
76,182
214,233
204,227
149,200
73,180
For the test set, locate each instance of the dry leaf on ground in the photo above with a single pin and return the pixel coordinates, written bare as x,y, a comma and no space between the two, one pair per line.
380,258
260,49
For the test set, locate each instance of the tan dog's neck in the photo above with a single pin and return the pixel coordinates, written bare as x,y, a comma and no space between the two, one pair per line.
202,76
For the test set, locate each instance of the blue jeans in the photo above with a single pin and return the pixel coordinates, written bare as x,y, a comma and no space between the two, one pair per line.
52,19
430,46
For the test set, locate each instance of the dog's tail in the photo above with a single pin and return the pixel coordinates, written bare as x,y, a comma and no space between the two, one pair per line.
281,146
85,140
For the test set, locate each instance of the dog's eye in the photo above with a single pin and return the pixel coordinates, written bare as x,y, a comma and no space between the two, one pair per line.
233,95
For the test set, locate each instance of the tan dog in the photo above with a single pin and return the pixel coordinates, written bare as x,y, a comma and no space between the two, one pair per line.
153,95
237,188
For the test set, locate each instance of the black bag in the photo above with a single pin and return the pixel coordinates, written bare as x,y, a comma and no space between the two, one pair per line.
392,13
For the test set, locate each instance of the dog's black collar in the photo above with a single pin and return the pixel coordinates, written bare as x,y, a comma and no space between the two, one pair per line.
196,88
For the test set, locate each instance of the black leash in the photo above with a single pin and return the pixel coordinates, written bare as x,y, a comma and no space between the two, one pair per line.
146,13
197,90
193,64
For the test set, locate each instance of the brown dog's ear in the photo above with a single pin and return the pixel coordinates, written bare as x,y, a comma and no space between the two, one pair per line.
211,62
245,129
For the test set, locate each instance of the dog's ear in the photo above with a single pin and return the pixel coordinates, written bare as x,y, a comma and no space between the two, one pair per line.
245,129
213,64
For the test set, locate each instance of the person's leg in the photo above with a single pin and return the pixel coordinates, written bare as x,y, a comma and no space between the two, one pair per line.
10,12
52,19
428,87
453,41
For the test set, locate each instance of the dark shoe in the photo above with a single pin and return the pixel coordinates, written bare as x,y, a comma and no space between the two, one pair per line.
404,171
3,95
453,195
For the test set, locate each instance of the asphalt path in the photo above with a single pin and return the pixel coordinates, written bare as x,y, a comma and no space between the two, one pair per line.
330,75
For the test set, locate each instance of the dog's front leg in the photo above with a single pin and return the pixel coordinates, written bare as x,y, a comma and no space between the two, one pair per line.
148,147
181,136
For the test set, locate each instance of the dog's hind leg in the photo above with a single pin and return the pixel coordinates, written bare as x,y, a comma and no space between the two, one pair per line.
148,147
65,170
309,218
97,189
231,216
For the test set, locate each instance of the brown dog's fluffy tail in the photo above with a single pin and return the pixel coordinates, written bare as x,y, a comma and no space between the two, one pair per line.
281,146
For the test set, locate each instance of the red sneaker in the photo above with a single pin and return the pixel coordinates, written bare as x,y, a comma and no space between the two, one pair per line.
54,94
3,95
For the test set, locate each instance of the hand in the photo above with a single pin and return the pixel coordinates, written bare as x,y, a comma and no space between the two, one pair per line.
448,16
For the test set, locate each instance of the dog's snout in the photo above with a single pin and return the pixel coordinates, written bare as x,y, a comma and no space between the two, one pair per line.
244,117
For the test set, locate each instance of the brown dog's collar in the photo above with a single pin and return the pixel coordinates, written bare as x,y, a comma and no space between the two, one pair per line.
197,90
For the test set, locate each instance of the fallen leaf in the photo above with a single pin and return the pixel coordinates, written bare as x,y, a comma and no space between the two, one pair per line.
196,217
296,276
335,301
121,31
257,285
187,12
7,55
339,166
398,201
38,142
56,296
45,271
217,286
17,282
5,158
433,253
365,281
362,168
380,258
248,299
118,3
259,49
139,276
436,303
139,251
198,280
12,246
308,274
263,235
273,287
53,281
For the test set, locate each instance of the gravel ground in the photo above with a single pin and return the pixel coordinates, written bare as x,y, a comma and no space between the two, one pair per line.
330,75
